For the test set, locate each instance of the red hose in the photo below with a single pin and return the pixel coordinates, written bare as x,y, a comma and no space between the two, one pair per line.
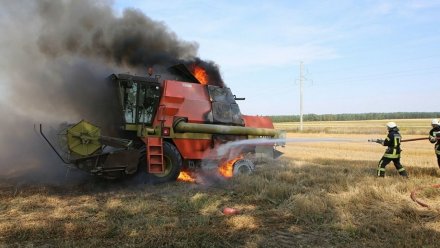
413,195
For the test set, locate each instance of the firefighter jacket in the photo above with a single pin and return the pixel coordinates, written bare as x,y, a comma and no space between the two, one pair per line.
434,136
393,143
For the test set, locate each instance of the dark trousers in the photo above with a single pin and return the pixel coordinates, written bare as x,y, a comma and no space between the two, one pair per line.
385,161
437,153
438,160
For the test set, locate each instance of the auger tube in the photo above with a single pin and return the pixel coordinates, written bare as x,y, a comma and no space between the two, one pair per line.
182,126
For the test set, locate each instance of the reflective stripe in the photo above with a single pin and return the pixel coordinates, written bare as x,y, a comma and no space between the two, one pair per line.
392,155
401,169
396,141
379,170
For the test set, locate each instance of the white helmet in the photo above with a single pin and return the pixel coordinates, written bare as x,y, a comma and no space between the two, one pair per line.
435,122
391,124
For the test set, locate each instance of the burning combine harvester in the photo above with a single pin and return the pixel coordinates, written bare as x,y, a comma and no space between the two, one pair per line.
170,126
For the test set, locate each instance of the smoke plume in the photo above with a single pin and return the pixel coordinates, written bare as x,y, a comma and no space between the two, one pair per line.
54,58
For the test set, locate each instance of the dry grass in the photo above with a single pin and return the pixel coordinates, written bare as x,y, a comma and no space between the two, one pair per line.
319,194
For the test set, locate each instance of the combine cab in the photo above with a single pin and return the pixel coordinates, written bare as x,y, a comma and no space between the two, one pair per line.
168,126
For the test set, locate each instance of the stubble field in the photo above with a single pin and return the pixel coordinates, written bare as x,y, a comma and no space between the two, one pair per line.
322,193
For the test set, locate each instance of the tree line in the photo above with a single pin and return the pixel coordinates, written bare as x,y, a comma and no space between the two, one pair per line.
355,117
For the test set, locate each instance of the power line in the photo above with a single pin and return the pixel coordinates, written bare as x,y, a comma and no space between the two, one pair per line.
355,78
385,75
374,64
301,80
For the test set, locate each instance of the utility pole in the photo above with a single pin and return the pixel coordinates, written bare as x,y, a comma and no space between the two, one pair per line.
301,85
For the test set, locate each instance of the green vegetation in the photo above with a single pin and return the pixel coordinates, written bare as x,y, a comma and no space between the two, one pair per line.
352,117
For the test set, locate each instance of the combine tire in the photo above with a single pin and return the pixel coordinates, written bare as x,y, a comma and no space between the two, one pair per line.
243,166
172,161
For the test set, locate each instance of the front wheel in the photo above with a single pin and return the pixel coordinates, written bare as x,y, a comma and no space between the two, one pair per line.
172,163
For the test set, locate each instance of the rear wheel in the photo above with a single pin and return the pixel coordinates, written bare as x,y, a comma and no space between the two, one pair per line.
172,163
243,166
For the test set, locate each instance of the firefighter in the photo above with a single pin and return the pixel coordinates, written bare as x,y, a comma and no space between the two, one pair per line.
434,137
392,153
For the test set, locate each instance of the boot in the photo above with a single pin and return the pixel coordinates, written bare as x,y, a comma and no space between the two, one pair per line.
404,174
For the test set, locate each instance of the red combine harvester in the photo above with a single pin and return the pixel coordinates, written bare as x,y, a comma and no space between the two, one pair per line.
169,126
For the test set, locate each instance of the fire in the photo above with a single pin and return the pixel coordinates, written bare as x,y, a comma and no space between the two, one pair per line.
200,74
186,177
227,168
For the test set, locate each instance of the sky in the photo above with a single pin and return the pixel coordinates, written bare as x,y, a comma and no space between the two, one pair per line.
359,56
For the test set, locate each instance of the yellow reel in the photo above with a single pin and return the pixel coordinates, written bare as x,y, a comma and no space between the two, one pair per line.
83,138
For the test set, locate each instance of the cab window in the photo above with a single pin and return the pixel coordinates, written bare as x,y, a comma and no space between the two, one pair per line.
139,101
148,100
128,91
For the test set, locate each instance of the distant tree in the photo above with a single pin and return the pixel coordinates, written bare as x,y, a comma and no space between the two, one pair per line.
354,117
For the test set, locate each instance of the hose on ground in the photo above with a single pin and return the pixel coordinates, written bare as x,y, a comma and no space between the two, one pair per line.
414,198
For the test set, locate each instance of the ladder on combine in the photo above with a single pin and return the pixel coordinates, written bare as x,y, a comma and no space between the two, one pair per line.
155,155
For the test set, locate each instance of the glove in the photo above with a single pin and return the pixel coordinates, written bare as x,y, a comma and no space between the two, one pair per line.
432,139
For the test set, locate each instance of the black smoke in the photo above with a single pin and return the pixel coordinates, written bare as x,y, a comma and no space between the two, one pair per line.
90,29
54,57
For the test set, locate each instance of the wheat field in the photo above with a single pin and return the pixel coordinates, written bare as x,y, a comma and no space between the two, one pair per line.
407,126
322,192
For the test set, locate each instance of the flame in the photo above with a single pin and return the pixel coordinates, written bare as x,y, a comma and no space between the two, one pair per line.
200,74
227,168
186,177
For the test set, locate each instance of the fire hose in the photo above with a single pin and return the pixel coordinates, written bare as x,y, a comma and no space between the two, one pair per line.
413,195
406,140
415,139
